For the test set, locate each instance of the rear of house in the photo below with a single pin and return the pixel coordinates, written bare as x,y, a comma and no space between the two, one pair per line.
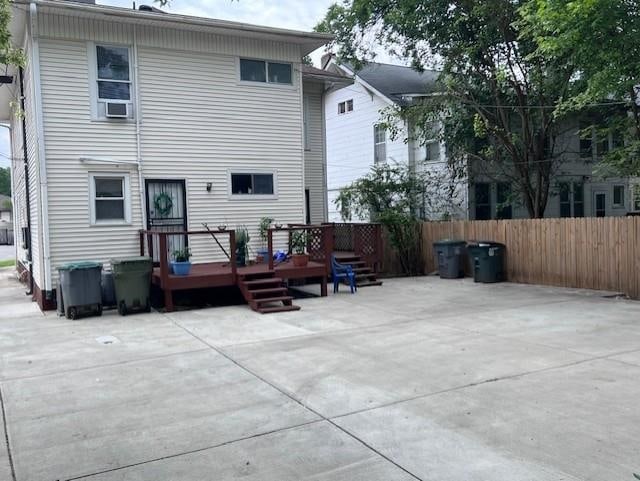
136,119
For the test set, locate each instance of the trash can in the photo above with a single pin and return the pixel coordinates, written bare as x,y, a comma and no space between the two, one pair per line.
448,255
487,261
80,285
132,281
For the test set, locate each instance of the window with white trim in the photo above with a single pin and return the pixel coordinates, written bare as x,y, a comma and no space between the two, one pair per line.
618,196
432,151
110,198
345,107
266,72
113,81
252,184
379,144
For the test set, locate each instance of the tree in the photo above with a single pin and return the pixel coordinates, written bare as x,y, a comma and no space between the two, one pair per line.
601,39
498,95
388,194
9,55
5,181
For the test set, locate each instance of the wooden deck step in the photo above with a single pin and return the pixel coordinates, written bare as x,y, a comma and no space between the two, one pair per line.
266,280
263,292
369,283
254,293
364,273
270,310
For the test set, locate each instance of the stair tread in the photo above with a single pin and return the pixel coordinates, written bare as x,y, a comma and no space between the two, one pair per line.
266,280
268,310
267,290
272,299
362,269
369,283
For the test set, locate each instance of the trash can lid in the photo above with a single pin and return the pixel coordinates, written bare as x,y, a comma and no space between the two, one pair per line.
80,265
483,243
130,260
445,242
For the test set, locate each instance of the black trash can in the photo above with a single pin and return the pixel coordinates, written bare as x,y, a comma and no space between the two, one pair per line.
80,287
487,261
449,255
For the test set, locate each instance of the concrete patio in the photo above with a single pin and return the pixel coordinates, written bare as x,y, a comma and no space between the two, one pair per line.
419,379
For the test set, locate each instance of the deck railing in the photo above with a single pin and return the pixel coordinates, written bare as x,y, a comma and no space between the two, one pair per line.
319,242
363,239
150,240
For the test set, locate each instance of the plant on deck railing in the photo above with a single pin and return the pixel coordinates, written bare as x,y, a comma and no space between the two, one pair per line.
299,241
242,245
263,229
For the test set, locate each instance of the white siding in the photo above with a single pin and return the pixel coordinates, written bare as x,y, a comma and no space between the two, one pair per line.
314,159
350,146
198,123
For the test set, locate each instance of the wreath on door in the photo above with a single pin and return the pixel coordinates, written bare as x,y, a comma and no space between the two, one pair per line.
162,203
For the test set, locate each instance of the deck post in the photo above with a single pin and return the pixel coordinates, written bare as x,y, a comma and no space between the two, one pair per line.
328,234
232,246
164,272
270,247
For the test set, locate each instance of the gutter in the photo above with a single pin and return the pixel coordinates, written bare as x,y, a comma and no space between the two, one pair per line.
137,113
44,192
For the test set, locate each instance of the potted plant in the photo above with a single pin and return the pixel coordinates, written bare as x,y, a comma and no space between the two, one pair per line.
263,231
181,265
242,245
299,246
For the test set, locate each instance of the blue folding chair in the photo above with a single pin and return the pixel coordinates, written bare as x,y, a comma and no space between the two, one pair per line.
340,272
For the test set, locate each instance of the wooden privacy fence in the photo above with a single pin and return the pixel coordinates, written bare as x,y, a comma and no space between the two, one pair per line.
592,253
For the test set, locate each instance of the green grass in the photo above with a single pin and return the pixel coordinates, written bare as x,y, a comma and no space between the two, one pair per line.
7,263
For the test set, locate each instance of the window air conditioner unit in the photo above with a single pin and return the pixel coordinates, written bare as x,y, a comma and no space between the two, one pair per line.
117,110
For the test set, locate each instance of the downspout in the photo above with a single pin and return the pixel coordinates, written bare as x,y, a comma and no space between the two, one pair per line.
44,190
302,151
137,113
25,153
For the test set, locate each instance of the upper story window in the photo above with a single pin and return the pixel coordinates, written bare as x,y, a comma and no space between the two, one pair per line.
345,107
266,72
432,151
113,82
379,144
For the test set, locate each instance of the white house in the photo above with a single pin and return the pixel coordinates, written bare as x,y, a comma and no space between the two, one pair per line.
356,141
138,118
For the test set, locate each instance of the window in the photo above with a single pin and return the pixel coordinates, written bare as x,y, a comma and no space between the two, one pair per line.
503,200
345,107
636,197
571,199
618,196
586,141
265,72
252,184
109,198
432,151
113,80
380,144
483,201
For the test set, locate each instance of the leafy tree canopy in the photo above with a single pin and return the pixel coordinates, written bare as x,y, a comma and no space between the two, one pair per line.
5,181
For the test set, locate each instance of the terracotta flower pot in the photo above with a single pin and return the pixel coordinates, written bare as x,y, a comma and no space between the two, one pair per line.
300,260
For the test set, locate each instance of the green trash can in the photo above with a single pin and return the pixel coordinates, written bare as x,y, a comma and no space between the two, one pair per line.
487,261
132,281
449,255
80,287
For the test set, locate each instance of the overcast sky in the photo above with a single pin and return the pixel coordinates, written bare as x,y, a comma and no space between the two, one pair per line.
294,14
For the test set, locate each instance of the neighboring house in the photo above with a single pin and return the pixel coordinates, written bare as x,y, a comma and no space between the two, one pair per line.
6,210
355,142
137,118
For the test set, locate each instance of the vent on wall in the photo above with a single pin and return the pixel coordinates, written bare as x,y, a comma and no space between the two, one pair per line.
117,110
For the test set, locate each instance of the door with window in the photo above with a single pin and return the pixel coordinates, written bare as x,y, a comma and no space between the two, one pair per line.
600,204
167,212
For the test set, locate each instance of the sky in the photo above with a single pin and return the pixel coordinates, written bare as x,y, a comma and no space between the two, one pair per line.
293,14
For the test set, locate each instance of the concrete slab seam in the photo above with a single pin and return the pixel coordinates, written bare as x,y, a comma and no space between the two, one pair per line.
298,401
6,436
